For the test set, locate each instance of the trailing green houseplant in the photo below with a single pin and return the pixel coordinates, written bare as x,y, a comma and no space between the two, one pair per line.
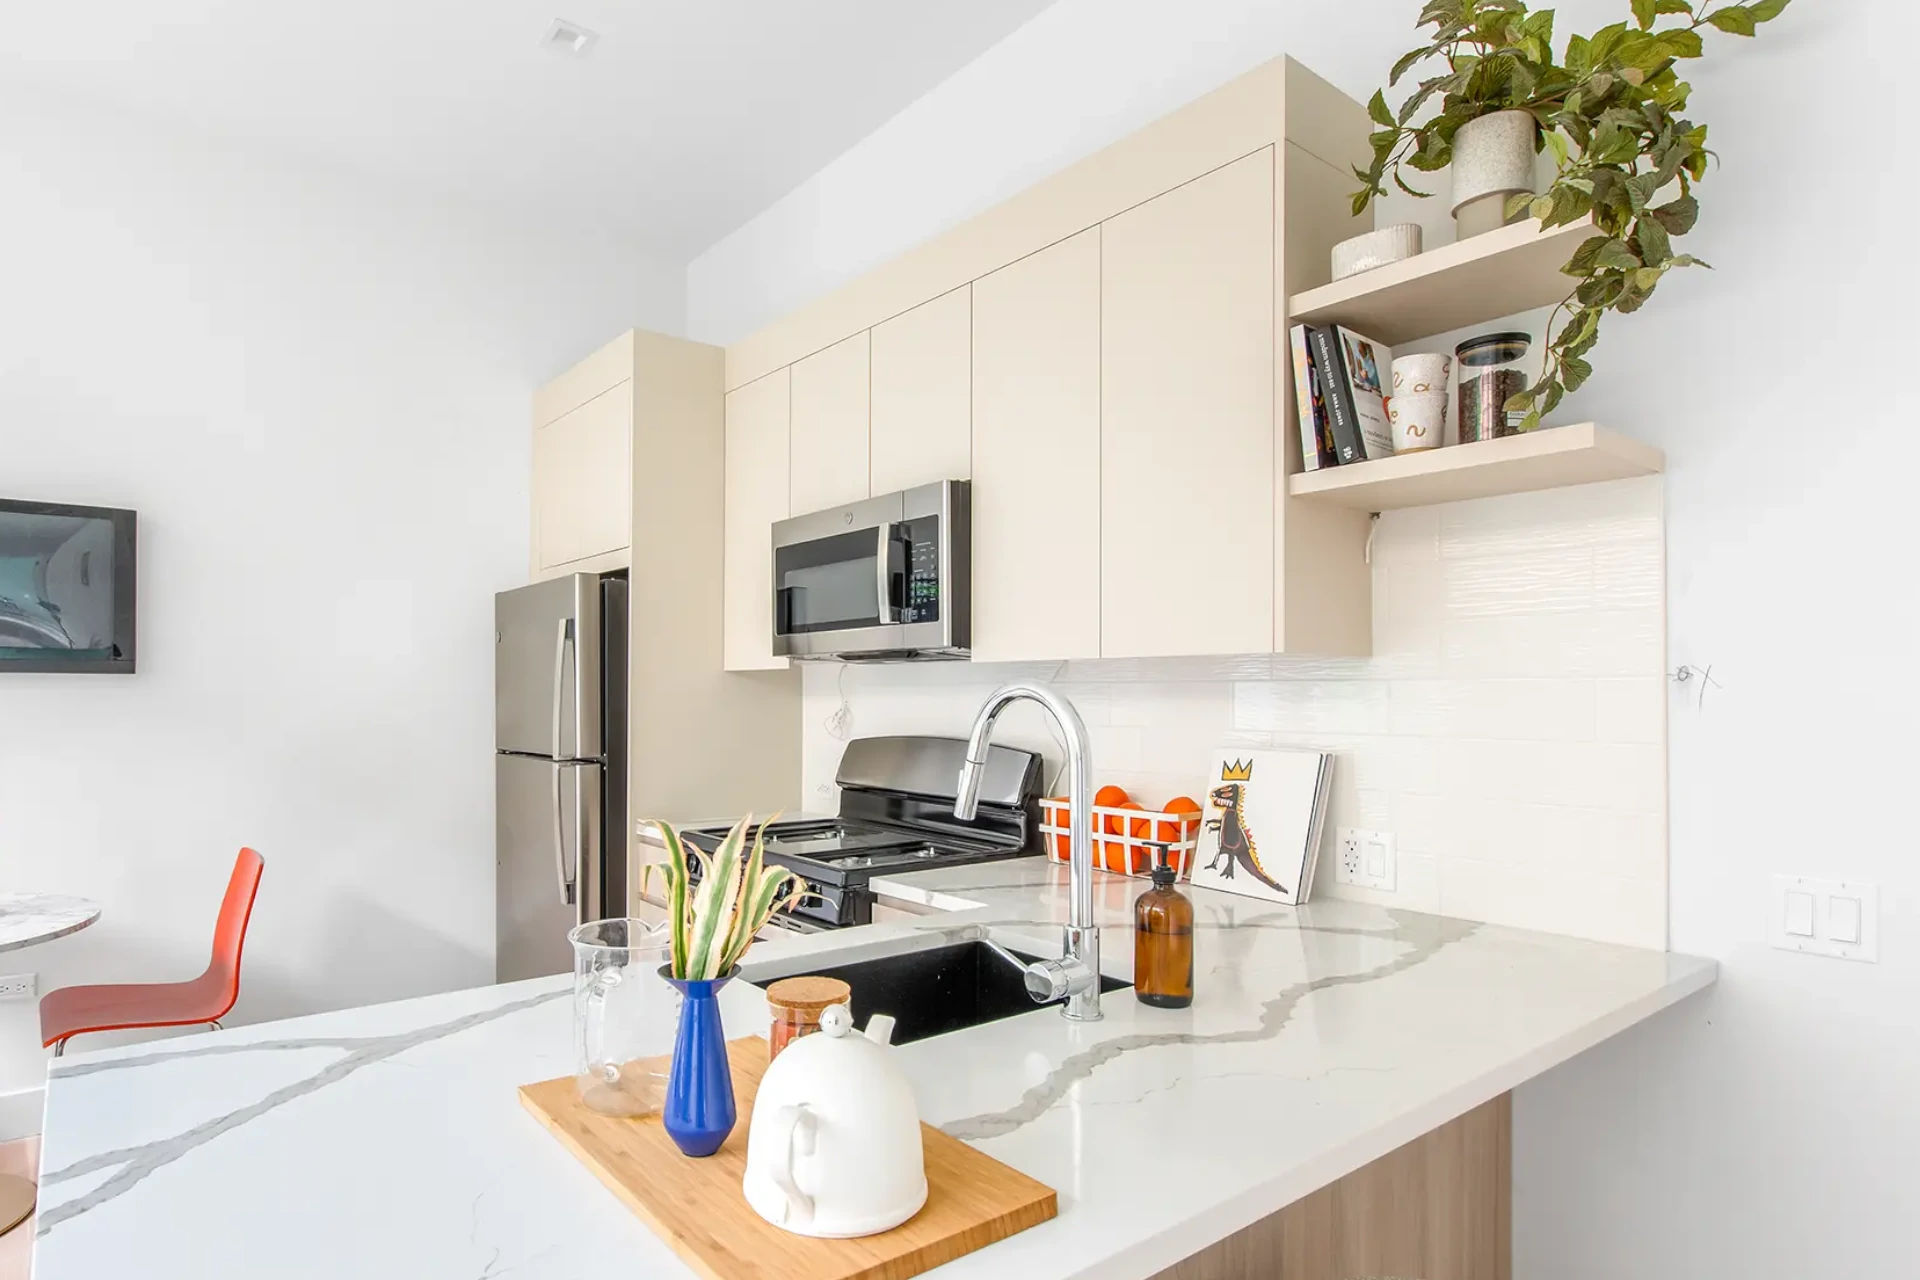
714,923
1609,108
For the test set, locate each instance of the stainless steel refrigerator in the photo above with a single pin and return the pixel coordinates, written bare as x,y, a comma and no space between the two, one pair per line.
560,772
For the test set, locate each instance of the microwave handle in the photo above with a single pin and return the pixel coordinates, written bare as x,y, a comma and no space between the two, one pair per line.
884,575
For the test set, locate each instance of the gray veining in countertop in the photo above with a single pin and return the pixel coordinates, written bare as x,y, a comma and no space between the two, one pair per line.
1320,1038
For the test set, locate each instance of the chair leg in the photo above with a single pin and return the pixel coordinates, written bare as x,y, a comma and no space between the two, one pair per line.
59,1047
215,1024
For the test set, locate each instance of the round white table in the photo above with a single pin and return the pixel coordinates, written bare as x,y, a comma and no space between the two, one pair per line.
27,918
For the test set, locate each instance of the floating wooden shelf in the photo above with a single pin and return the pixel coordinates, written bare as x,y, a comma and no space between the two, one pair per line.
1468,282
1551,458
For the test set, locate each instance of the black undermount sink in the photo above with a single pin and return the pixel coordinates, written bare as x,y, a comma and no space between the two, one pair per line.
940,989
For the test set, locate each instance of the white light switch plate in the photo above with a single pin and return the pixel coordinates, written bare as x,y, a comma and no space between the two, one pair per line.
1367,859
1844,921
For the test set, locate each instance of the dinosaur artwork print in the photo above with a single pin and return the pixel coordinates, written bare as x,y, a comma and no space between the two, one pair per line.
1263,823
1236,839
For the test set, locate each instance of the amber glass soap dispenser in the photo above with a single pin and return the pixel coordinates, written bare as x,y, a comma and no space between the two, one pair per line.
1163,944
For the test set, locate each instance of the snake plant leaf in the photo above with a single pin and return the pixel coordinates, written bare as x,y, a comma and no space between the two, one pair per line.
675,871
771,892
718,886
740,926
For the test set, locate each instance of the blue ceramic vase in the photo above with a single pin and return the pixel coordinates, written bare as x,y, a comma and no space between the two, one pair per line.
699,1113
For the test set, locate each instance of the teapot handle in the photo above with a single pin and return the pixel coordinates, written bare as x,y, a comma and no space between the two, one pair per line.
795,1138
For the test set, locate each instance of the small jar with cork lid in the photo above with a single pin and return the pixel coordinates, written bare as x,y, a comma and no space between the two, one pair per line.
796,1004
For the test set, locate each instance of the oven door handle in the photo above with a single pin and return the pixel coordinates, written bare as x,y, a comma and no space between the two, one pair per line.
786,923
884,607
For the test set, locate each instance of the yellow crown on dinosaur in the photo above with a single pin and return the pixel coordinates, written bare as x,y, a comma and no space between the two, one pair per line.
1238,771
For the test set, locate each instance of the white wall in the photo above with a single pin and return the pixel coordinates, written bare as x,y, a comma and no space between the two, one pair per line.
317,398
1509,728
1767,1128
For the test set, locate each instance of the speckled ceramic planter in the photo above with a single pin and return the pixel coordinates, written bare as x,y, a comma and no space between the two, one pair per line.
1492,160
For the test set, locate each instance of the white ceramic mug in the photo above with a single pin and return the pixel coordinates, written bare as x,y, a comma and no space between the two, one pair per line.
1421,375
1419,420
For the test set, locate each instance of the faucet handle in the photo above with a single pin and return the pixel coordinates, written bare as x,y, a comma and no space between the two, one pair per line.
1050,980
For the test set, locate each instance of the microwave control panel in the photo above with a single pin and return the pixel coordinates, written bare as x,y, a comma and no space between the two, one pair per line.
922,536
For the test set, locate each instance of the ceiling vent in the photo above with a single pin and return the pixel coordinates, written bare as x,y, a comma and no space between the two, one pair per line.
570,38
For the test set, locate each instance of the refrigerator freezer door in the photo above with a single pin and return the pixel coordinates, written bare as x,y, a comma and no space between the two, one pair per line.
546,669
547,858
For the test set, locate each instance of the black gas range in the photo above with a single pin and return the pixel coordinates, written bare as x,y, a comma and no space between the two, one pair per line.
896,814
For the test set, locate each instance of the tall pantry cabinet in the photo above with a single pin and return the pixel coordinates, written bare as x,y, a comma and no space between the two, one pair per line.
702,741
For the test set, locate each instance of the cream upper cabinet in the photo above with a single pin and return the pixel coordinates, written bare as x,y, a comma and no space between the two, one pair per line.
1187,391
582,481
830,427
756,496
1036,456
922,397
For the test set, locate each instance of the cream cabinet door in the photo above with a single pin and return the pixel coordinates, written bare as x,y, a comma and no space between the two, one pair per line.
583,480
830,427
756,496
1036,455
922,394
1187,418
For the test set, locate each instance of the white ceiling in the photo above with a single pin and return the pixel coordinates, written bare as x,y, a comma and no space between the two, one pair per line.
687,118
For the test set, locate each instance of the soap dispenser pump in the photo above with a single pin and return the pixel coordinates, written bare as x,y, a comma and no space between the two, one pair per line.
1163,941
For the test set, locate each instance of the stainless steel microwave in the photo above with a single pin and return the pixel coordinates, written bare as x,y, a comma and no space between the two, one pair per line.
882,579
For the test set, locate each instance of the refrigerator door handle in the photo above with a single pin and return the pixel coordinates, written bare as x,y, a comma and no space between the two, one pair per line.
586,884
562,637
560,837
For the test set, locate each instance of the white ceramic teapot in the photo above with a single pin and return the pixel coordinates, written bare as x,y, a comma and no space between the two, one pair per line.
834,1146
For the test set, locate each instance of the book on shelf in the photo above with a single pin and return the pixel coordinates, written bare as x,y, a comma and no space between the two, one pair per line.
1353,378
1316,433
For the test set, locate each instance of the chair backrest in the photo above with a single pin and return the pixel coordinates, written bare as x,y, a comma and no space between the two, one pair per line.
230,931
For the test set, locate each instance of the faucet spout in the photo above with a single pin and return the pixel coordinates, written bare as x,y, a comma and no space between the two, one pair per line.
1077,974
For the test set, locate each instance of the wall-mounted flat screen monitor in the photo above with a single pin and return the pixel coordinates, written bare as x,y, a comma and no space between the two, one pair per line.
66,588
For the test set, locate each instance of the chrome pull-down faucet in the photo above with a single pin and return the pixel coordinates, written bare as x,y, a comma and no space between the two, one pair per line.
1076,975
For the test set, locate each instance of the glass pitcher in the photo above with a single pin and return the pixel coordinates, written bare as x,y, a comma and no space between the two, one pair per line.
623,1015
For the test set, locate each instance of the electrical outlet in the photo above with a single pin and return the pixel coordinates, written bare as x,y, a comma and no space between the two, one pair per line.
1367,859
18,986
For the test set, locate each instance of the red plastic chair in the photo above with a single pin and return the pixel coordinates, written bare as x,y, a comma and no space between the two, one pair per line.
71,1011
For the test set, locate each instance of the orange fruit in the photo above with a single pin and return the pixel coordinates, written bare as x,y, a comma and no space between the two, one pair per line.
1173,832
1111,797
1116,855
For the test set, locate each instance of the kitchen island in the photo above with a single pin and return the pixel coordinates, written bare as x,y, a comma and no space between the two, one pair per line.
389,1141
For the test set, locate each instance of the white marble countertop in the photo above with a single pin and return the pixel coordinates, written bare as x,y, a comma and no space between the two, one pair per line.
388,1141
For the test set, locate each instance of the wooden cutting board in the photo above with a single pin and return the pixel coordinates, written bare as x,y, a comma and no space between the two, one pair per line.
697,1206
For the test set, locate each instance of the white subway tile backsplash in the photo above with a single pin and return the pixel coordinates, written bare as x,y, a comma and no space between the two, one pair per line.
1631,709
1509,729
1626,776
1629,575
1530,582
1524,710
1207,704
1311,706
1609,909
1621,642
